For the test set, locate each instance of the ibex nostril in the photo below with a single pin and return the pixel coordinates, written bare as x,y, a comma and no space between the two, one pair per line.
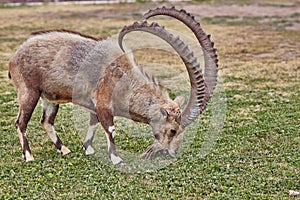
173,132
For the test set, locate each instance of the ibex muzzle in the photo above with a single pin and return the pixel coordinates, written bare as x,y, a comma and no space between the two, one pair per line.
49,65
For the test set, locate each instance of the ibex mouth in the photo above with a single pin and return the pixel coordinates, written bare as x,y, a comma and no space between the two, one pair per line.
172,153
166,153
152,152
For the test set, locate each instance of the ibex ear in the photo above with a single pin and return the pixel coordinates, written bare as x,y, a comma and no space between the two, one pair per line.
179,100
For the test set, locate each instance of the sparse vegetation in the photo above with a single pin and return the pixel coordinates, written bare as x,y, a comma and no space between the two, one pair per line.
256,155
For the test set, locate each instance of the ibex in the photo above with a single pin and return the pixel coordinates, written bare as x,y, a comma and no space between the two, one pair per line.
62,66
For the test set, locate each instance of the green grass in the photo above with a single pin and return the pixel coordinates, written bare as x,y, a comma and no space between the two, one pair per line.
255,156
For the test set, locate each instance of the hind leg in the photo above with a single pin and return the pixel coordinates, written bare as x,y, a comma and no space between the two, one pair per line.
27,102
49,113
88,141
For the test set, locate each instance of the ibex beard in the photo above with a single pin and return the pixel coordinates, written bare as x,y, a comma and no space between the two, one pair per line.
63,66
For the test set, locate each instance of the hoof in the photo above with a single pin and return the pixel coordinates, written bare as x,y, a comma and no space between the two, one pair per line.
122,163
64,150
116,160
28,157
89,151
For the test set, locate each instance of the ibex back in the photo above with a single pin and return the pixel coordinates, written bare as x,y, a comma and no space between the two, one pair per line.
63,66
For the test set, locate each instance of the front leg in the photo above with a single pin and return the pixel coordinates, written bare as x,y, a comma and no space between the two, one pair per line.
106,119
88,141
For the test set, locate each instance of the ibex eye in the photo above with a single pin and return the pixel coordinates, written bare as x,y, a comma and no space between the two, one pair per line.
172,132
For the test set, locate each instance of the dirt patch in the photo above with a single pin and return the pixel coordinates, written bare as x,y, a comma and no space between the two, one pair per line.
236,45
277,16
243,10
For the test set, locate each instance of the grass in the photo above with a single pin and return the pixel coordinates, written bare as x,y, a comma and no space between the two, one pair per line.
255,156
274,22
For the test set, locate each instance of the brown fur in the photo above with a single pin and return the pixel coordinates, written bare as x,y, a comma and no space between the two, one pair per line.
64,66
67,31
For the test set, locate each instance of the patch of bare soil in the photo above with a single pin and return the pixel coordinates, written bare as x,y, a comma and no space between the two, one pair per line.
284,15
245,10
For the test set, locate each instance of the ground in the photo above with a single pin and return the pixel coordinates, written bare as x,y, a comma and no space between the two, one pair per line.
254,156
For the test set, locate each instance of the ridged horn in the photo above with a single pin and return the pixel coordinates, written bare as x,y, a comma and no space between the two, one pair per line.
198,87
209,52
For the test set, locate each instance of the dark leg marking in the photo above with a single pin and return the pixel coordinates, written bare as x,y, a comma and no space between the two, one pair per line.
49,113
27,103
106,118
88,141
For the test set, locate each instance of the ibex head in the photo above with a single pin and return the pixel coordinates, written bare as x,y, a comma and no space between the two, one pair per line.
167,120
165,123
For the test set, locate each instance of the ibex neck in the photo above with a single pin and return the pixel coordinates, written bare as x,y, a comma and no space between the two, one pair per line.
140,103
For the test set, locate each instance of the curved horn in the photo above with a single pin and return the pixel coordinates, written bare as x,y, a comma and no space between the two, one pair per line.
209,52
198,87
